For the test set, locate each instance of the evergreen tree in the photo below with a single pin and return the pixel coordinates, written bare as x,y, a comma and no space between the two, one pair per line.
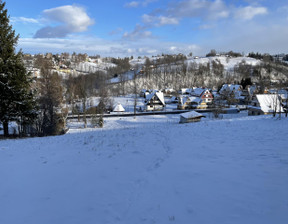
16,98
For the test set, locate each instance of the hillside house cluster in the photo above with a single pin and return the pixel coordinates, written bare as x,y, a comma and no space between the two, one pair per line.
229,94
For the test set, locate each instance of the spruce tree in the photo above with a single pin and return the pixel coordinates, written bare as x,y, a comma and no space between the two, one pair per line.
16,98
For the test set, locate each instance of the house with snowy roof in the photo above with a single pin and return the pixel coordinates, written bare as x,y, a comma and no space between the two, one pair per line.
232,88
188,102
266,104
204,94
197,91
155,101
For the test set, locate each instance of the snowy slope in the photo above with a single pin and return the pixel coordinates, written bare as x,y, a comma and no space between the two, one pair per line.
90,67
149,170
228,63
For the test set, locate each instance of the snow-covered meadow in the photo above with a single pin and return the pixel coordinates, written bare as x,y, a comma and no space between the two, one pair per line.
150,169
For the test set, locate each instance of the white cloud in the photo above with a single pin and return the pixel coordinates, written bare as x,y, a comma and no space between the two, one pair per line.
249,12
132,4
150,20
263,38
24,20
68,19
135,4
199,8
163,20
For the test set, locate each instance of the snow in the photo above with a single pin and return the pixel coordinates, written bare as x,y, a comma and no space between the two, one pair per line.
91,67
159,95
119,108
269,103
149,169
228,63
191,114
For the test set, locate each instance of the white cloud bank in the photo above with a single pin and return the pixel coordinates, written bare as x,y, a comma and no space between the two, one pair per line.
249,12
94,46
67,19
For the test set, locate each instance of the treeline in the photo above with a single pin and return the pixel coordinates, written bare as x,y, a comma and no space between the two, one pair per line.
214,53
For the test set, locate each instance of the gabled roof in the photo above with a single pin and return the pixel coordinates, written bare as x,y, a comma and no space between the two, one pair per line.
198,91
205,91
269,102
119,108
158,94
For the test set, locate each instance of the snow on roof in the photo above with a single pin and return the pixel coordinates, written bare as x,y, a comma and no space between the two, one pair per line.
269,102
195,99
191,114
159,94
230,87
184,99
119,108
198,91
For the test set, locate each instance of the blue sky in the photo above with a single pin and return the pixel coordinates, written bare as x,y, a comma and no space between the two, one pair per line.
150,27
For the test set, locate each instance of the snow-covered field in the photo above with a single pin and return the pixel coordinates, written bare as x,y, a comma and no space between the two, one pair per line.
149,170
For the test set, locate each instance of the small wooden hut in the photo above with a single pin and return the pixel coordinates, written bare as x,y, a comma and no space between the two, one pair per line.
191,116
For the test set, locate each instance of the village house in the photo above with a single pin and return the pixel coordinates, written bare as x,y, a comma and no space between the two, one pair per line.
232,88
204,94
266,104
207,97
155,101
188,102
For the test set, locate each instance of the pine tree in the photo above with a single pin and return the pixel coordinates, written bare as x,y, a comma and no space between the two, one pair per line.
16,98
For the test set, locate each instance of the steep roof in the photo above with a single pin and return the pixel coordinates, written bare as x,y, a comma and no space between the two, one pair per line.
158,94
269,102
198,91
119,108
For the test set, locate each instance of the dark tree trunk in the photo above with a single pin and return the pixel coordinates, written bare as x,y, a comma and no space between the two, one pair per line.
6,129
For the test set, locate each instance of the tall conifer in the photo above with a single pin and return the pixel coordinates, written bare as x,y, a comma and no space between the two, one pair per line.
16,98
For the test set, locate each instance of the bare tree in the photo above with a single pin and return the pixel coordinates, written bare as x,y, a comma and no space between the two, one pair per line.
50,100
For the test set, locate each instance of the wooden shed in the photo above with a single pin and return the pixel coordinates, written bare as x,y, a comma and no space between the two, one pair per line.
191,116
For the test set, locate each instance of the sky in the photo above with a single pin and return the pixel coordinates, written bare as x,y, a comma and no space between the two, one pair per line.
121,28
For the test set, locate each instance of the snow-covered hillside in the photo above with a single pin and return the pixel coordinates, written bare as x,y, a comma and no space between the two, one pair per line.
227,62
149,170
92,67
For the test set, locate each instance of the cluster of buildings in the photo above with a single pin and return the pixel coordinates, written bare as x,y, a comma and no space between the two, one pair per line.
230,95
